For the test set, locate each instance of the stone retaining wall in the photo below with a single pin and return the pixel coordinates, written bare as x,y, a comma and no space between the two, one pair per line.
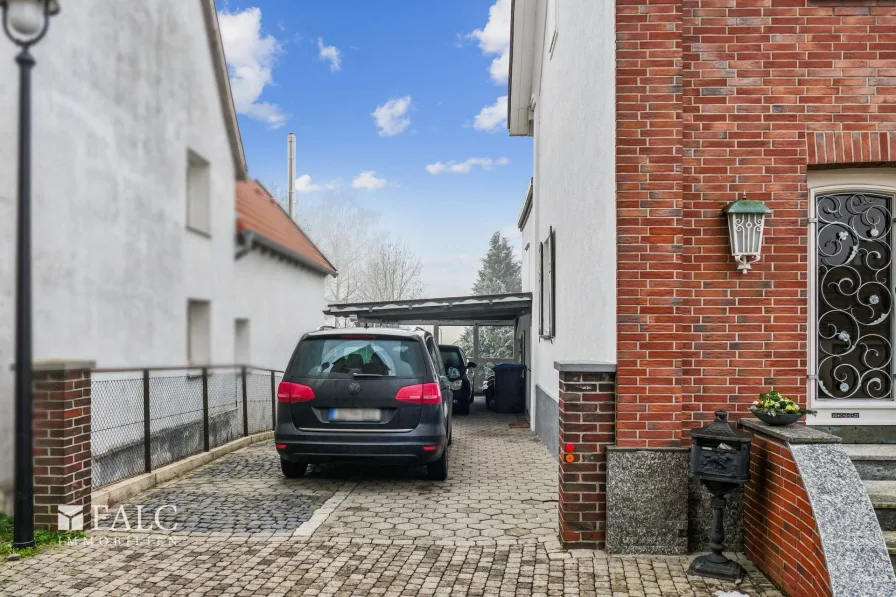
808,523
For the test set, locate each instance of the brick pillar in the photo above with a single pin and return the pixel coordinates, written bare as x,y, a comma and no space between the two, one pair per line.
62,470
588,423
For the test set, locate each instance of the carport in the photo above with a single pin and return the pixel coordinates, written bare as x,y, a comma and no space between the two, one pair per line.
475,311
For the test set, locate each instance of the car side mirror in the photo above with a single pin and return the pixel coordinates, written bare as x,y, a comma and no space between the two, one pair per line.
453,374
471,365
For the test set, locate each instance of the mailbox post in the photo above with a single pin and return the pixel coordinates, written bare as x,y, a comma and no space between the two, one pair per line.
720,459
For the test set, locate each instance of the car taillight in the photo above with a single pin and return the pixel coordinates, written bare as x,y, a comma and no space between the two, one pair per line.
294,392
425,393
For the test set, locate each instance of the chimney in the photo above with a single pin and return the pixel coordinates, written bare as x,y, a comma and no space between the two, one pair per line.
292,177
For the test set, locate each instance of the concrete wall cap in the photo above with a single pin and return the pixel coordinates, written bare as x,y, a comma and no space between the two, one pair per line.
62,365
644,449
585,366
792,434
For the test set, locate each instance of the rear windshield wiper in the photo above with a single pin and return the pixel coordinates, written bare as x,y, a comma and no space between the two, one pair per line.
366,375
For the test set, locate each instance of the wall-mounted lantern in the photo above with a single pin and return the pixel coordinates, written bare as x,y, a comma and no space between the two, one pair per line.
746,223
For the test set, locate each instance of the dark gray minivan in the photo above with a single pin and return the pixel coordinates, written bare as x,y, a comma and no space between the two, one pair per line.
365,395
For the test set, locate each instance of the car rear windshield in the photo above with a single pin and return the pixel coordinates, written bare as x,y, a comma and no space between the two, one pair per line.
451,358
351,356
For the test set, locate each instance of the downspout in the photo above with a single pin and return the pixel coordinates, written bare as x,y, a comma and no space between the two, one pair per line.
247,237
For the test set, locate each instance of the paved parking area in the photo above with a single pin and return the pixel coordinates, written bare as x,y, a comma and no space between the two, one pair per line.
243,494
244,530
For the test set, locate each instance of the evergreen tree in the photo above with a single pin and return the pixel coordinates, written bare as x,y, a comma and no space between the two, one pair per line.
500,273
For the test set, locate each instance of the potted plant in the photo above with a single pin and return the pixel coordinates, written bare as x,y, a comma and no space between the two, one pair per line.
775,409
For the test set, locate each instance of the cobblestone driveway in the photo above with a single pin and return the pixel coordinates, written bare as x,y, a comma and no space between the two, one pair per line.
244,530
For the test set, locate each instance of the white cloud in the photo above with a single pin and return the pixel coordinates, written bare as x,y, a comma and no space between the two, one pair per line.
368,180
304,185
494,40
492,118
466,166
391,118
330,54
250,62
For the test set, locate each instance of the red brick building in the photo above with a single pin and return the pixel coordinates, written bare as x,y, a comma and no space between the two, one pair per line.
657,114
716,99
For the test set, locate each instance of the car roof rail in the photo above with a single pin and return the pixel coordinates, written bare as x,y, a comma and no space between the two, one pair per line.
326,327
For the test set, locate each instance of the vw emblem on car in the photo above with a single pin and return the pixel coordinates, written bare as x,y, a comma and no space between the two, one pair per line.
354,389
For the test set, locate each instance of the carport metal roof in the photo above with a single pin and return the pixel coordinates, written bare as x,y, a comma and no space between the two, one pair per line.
494,309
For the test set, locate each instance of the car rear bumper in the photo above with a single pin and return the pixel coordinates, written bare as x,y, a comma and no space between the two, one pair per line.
419,446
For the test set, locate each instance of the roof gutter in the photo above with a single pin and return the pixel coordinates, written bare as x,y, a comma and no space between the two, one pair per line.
253,239
527,206
510,67
225,94
523,49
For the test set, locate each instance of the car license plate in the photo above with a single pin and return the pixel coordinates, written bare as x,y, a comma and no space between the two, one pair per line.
355,414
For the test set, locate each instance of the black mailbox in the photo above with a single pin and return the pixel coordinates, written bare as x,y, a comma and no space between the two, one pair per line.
720,458
720,453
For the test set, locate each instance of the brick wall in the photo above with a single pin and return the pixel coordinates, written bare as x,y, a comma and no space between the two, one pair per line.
716,98
780,534
62,466
587,407
649,227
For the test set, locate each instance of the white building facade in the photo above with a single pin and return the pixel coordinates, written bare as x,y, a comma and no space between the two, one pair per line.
280,278
561,92
136,150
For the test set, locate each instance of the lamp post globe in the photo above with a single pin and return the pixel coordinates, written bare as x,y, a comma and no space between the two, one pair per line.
25,22
26,17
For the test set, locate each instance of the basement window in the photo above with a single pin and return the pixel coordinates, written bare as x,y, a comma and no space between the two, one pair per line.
546,314
199,332
198,194
241,342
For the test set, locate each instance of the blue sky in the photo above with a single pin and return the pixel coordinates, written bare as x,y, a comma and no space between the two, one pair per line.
435,161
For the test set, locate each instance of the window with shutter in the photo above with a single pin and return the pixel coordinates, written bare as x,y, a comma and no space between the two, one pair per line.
546,288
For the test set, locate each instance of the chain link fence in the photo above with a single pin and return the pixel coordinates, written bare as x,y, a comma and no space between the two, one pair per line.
144,419
261,389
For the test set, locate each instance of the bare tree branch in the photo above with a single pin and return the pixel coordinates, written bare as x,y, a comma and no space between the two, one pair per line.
392,273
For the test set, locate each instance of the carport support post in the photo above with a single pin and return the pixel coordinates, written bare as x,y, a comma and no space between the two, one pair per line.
436,333
476,341
476,356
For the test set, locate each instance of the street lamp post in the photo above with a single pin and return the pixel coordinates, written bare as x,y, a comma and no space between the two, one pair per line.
25,22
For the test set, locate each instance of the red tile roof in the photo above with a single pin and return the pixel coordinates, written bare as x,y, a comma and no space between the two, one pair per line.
260,213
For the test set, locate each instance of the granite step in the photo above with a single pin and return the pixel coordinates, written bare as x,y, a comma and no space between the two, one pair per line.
890,538
883,498
874,462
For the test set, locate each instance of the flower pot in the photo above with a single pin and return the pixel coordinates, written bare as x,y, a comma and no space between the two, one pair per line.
779,420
